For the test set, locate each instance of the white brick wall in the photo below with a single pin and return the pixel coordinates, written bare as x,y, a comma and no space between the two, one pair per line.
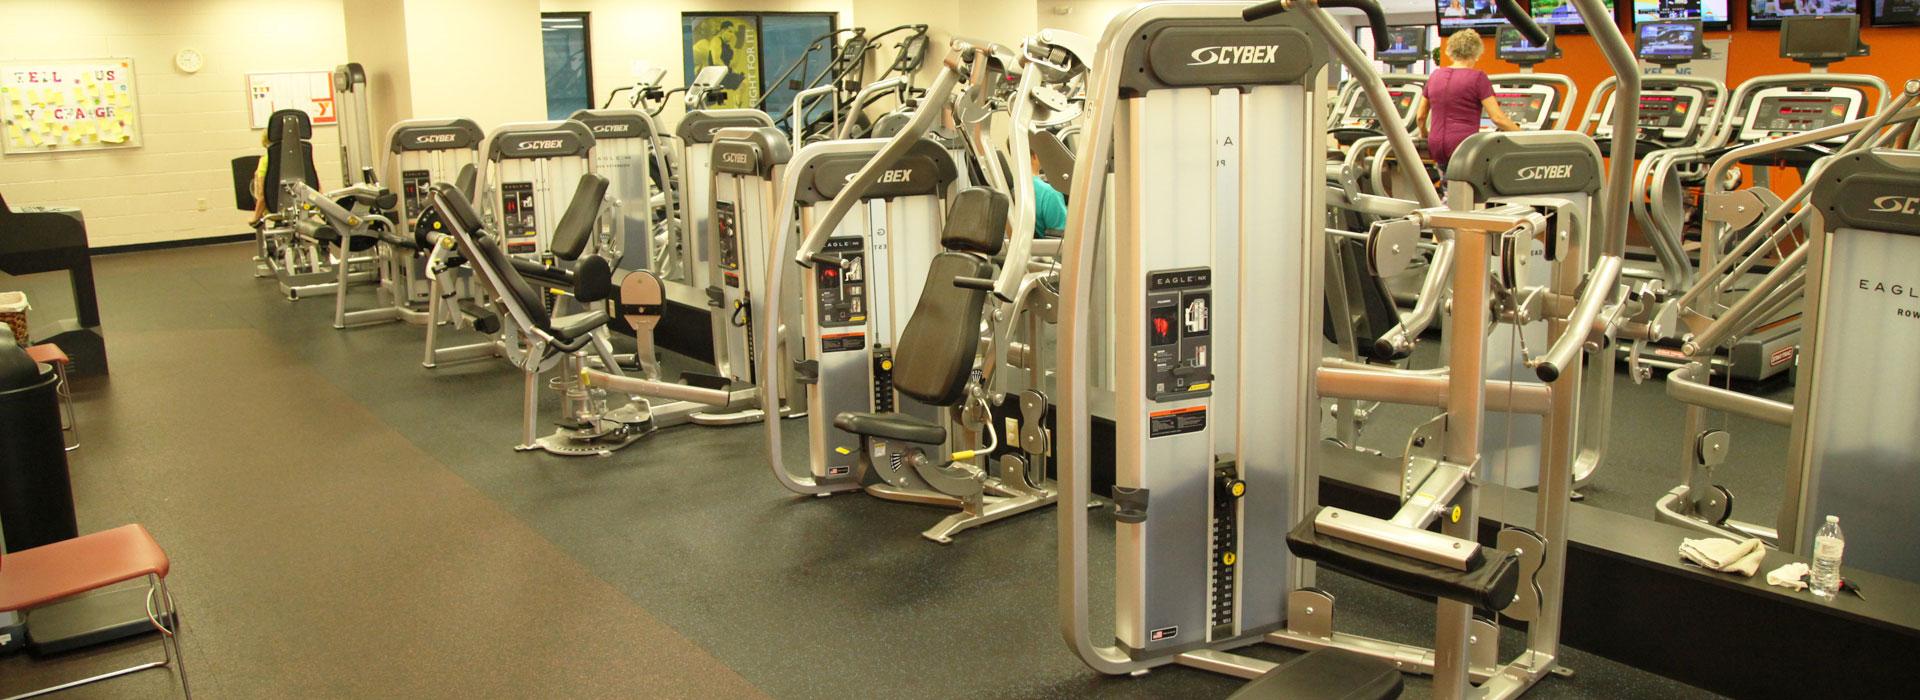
192,126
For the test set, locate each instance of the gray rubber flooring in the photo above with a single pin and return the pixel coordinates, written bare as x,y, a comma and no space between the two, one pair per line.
344,523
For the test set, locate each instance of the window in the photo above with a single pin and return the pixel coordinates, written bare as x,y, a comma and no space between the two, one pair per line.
568,55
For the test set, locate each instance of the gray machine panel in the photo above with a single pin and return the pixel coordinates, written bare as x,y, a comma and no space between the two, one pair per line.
1175,53
1528,163
615,123
927,168
549,140
698,126
435,135
1866,190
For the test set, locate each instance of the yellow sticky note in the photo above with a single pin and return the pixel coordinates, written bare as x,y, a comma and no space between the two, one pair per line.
123,99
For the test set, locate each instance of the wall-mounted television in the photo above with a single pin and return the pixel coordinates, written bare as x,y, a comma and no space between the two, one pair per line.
1712,14
1896,13
1563,15
1766,14
1404,45
1667,40
1481,15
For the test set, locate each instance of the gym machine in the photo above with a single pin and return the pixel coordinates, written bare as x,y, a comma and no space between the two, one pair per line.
420,152
686,266
1708,328
1353,116
626,152
880,379
1762,109
532,173
537,336
1219,375
296,250
1535,101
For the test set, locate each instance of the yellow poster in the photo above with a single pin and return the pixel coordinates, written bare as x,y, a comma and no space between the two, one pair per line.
726,40
66,105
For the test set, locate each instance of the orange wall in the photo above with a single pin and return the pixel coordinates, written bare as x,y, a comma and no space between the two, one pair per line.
1896,56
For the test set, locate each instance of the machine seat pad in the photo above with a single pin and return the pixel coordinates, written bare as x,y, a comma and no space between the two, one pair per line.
1326,674
1490,584
570,328
892,426
935,356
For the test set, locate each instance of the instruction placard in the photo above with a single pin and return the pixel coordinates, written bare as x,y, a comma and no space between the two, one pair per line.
308,91
68,105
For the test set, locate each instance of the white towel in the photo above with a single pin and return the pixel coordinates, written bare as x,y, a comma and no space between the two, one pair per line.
1790,576
1721,554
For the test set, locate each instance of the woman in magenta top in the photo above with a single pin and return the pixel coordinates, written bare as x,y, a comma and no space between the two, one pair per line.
1456,96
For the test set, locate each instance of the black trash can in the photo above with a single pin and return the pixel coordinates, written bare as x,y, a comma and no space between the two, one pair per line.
36,498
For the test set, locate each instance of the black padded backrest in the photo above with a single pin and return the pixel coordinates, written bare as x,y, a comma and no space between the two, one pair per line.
575,230
467,179
458,209
934,358
243,169
976,221
489,256
289,155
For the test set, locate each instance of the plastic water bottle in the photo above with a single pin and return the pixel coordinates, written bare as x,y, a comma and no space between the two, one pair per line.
1827,547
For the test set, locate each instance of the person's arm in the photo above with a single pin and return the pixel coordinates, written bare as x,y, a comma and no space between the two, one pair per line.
1498,115
1420,118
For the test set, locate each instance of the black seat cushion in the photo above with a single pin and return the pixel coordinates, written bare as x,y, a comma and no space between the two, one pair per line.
1326,674
892,426
1489,584
467,179
935,354
570,328
976,221
489,256
575,230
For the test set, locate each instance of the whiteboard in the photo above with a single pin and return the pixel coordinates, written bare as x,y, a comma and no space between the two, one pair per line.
57,106
308,91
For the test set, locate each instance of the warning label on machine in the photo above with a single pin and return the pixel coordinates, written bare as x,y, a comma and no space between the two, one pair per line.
1177,421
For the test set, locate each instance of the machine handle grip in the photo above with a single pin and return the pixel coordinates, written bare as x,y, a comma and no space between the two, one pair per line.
1518,17
1264,10
1376,19
980,283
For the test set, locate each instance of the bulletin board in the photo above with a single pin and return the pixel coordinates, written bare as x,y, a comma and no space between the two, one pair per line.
58,106
307,91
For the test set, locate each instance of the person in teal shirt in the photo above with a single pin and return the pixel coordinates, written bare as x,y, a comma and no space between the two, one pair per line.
1049,207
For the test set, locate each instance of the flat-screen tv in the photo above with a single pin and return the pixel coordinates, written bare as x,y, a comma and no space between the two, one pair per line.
1821,38
1510,45
1667,40
1481,15
1404,45
1711,13
1766,14
1563,14
1896,13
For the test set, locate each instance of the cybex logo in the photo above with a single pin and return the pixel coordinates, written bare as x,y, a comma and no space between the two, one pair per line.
1896,204
541,144
889,177
612,128
435,138
1544,172
735,158
1223,55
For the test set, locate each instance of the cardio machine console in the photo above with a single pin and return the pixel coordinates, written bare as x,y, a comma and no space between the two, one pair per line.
1777,112
1672,113
1529,106
1360,112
